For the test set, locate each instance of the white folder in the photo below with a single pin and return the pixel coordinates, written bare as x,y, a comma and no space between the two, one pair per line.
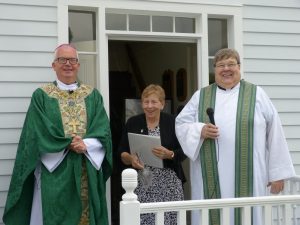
142,146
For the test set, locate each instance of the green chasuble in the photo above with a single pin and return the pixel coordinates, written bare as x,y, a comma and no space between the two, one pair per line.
46,130
243,148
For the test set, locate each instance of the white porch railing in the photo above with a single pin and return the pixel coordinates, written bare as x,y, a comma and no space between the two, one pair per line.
277,210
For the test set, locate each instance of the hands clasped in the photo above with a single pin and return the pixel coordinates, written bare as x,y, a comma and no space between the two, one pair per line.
77,145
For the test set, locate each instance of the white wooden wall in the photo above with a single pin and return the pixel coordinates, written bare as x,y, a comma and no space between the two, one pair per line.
28,36
272,60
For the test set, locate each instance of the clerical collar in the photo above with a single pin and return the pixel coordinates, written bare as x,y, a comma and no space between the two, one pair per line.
221,88
224,89
66,87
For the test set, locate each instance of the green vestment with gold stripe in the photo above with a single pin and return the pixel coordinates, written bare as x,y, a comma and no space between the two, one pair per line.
243,148
47,129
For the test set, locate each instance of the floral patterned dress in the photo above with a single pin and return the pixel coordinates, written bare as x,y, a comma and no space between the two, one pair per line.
158,185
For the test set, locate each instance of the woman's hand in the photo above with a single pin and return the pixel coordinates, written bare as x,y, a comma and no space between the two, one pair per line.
163,153
132,159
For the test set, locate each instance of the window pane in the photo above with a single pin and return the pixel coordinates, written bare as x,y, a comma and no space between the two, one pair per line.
211,72
115,21
217,35
87,70
139,23
162,24
82,30
184,25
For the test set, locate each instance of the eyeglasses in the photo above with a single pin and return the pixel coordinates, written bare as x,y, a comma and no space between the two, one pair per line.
62,60
230,65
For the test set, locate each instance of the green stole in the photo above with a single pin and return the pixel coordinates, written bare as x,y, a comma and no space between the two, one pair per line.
243,148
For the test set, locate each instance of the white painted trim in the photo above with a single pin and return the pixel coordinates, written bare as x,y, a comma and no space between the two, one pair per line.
62,22
235,28
202,52
103,82
153,36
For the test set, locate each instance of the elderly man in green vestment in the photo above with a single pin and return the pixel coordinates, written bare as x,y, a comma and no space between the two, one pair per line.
64,155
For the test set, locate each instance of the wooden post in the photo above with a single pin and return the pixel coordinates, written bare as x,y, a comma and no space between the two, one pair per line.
129,206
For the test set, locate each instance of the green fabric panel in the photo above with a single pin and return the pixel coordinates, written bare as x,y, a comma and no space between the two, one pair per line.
208,155
244,144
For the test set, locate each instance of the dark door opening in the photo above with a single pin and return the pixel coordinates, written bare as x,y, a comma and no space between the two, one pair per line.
132,66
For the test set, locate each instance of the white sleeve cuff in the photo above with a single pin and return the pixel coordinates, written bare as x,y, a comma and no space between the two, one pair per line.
95,152
52,160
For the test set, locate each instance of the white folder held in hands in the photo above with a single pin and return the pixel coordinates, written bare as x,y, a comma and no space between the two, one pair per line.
142,145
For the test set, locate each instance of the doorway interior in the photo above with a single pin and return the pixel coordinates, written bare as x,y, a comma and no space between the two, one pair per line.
132,66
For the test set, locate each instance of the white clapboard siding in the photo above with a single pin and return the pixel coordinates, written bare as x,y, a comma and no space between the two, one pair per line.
253,38
278,26
272,52
281,92
27,74
271,59
2,198
8,151
272,78
287,105
26,43
35,28
272,3
8,89
6,167
27,59
296,157
30,2
9,136
28,12
290,118
294,144
14,105
4,183
267,13
11,120
291,131
271,65
1,213
28,36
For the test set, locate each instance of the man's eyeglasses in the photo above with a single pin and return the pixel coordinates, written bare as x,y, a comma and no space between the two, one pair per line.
62,60
230,65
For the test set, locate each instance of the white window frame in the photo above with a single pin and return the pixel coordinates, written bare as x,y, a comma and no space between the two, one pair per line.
201,12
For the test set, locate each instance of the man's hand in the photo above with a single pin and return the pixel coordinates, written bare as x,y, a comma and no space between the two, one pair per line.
276,186
77,145
210,131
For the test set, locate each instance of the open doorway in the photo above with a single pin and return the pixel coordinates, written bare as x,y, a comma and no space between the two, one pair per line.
132,66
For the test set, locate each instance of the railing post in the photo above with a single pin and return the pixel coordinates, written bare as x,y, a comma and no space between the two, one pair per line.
129,206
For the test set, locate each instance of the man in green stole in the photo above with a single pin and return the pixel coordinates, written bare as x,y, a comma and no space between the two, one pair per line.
64,156
245,152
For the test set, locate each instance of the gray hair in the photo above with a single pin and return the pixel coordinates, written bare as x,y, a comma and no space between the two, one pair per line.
64,45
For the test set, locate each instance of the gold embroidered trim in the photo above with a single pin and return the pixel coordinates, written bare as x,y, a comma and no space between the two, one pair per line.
72,107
